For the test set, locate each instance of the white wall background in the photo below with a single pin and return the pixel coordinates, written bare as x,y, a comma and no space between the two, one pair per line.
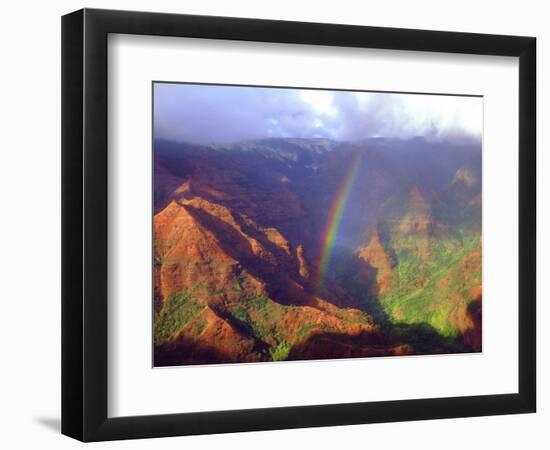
30,226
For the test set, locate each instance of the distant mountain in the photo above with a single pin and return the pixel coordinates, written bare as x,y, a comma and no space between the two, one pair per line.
311,248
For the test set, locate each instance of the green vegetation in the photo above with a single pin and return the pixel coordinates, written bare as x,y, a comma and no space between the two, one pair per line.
305,331
280,352
282,326
260,302
241,314
200,327
237,285
177,312
260,315
430,289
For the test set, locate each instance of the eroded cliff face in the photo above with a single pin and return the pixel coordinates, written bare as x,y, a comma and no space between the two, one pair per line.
379,272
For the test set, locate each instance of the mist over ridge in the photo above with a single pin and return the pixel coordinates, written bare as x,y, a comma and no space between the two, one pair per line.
219,114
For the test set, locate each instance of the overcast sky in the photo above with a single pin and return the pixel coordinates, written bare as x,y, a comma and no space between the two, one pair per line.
223,114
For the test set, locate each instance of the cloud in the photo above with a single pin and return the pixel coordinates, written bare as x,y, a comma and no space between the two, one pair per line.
216,114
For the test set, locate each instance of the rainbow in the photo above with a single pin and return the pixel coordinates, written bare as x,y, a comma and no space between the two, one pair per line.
335,218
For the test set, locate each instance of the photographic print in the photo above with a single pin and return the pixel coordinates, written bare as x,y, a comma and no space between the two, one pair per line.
307,224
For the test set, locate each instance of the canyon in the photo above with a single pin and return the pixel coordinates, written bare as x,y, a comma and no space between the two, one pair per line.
293,249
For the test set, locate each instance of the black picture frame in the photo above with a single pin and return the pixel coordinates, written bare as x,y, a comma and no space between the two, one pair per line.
84,224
